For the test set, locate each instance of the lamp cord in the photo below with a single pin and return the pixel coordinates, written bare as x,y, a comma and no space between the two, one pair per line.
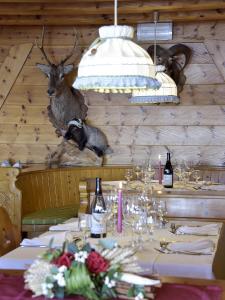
115,12
155,28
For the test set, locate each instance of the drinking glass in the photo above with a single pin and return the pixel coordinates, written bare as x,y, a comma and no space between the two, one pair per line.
137,219
111,210
137,171
161,212
196,175
84,227
128,175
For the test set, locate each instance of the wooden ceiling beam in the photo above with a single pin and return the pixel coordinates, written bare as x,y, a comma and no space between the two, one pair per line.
126,9
108,19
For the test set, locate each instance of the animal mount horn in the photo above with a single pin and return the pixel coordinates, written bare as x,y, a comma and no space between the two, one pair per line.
73,49
42,47
175,60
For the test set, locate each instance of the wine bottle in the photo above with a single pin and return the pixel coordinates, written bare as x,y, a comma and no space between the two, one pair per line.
98,212
168,173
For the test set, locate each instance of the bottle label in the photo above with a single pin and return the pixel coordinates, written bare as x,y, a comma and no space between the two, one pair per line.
168,179
98,224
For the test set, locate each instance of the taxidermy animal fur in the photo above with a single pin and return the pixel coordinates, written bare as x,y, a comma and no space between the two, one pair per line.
87,136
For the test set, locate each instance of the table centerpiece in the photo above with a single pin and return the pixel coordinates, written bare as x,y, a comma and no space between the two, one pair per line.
94,274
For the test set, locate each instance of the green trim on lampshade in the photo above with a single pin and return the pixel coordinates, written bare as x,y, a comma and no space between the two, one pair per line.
50,216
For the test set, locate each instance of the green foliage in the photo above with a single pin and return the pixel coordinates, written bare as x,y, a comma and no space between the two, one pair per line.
78,281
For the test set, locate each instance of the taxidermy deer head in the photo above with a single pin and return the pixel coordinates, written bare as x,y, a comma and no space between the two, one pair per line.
174,59
66,102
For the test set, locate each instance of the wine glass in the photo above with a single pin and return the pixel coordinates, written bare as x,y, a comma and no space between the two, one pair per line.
196,175
161,212
84,227
137,171
111,209
128,175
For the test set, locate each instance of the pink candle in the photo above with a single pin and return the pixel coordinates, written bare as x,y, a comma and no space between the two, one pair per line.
160,170
120,208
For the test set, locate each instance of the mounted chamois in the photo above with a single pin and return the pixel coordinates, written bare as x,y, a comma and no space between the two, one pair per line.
66,102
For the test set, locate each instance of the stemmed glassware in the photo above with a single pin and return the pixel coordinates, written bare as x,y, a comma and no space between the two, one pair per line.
137,170
84,227
161,212
128,176
111,210
196,175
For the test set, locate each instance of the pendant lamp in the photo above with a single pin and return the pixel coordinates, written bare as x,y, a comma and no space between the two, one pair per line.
115,64
167,93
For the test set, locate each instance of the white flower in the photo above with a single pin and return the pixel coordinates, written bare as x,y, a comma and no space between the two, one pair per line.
81,256
35,276
62,269
110,283
139,296
46,290
60,279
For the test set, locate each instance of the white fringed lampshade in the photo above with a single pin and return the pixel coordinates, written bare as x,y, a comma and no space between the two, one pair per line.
165,94
115,64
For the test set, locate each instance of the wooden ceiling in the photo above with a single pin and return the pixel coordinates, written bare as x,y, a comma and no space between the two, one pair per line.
99,12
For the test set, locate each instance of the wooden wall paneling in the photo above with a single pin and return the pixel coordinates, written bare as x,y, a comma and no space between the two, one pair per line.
75,9
212,115
54,36
123,154
28,95
165,135
217,49
26,133
30,134
55,54
203,74
157,115
24,114
65,20
210,94
11,67
208,155
196,73
26,153
203,31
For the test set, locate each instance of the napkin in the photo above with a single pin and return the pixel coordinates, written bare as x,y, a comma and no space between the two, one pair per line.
44,240
196,247
209,229
70,226
213,187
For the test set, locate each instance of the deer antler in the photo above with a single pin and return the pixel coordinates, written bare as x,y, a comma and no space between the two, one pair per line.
41,47
74,47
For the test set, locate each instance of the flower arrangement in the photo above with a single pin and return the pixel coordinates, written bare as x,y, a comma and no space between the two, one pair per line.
96,275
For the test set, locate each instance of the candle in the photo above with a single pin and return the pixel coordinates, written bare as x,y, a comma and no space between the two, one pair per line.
120,208
160,170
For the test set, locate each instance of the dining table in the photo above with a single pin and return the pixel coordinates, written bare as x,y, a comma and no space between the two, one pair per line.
12,288
150,257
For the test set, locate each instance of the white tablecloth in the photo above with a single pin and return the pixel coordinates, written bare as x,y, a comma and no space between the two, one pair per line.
152,261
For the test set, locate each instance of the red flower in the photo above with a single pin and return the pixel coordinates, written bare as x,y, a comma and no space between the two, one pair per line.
96,263
64,260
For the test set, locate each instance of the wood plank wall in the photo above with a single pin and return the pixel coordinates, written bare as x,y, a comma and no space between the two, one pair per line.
193,131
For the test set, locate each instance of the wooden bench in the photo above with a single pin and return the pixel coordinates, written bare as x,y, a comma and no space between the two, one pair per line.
56,191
